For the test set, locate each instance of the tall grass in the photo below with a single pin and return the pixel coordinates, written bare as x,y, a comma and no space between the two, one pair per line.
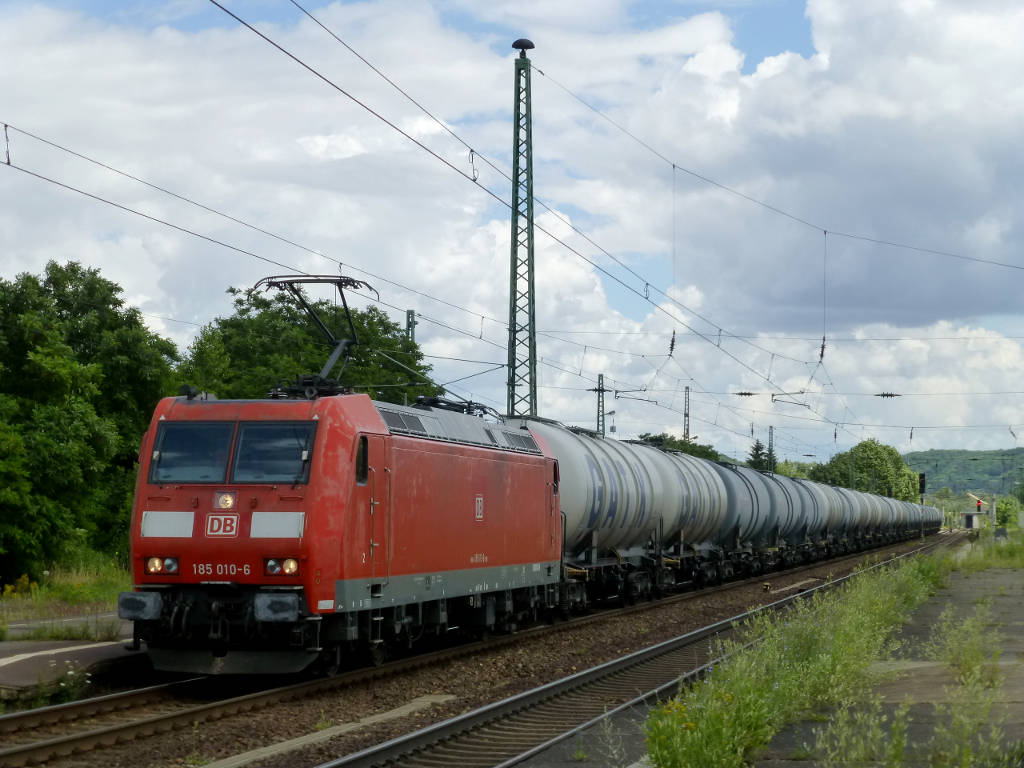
987,552
84,581
817,654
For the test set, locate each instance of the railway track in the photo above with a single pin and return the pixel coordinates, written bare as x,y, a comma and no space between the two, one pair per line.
511,731
40,735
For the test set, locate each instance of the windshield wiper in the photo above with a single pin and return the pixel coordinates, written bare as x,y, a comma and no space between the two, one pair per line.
305,458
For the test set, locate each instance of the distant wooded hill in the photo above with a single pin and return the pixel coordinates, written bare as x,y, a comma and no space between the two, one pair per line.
989,471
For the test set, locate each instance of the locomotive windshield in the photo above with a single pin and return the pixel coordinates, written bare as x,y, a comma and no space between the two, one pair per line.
273,452
266,452
191,452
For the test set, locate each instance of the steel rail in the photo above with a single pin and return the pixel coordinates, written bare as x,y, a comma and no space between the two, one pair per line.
41,717
533,721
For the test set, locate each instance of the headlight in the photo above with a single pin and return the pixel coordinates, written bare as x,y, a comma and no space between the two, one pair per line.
276,566
162,565
224,500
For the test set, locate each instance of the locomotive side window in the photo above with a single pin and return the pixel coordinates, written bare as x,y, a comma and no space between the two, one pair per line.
191,452
362,462
555,478
274,452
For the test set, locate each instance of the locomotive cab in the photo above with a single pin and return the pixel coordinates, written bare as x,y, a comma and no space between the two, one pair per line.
221,523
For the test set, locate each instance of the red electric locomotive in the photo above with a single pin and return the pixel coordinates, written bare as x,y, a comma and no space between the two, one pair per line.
271,534
267,534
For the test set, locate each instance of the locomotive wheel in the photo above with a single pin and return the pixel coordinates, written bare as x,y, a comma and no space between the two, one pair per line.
329,662
378,654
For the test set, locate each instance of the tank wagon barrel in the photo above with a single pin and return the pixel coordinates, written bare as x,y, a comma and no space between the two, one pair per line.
708,520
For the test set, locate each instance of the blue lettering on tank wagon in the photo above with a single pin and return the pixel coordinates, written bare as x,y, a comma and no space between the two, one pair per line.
641,516
597,495
613,492
682,511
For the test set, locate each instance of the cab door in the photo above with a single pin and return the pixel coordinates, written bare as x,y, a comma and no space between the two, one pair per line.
378,508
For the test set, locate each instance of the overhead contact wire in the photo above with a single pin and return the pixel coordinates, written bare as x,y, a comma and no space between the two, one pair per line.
466,176
508,177
769,206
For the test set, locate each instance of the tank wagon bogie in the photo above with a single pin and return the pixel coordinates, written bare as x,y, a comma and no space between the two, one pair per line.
269,535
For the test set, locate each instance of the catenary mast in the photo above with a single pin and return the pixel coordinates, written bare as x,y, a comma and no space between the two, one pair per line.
522,332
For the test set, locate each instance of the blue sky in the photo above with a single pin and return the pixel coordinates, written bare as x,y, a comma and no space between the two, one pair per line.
762,27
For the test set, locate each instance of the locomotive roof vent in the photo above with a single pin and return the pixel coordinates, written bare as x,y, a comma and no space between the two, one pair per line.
451,426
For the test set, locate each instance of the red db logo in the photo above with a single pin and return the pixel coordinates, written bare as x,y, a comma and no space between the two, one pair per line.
222,525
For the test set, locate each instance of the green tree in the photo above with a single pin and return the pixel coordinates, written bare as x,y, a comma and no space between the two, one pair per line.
269,340
207,364
1007,510
758,458
666,442
801,469
80,376
872,467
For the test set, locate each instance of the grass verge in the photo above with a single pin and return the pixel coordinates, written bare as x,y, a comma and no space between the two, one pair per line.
987,552
96,630
816,655
88,584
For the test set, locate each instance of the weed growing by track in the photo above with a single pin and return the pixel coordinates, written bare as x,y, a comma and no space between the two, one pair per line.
817,654
72,683
967,734
970,648
863,735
